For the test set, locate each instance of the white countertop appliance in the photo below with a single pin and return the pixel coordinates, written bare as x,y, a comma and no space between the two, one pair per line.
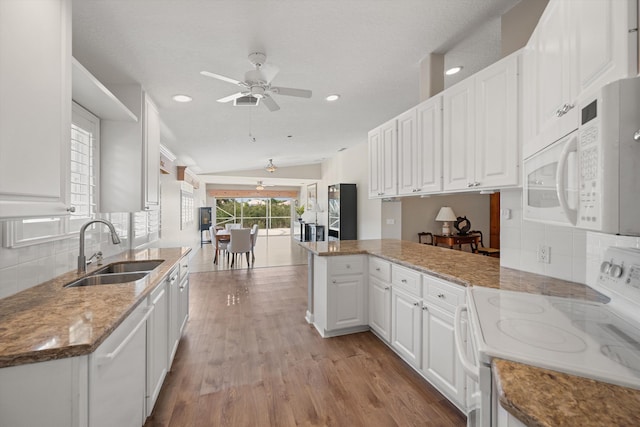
590,339
587,178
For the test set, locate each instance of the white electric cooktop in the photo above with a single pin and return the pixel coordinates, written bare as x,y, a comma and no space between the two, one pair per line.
588,339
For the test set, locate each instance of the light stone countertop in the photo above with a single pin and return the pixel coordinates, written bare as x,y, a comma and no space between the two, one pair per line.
49,321
536,396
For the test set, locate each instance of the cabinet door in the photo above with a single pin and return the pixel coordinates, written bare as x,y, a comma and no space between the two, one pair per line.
440,362
35,107
346,302
374,164
605,49
157,341
389,159
459,136
429,168
151,156
409,153
184,304
174,316
380,307
406,323
497,137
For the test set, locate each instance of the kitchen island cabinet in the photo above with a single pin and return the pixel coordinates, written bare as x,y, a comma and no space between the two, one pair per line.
35,108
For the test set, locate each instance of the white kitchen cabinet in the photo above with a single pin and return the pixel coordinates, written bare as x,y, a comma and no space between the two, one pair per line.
173,285
406,325
481,129
420,148
117,374
35,107
130,155
505,419
157,344
183,305
440,364
576,48
340,294
380,307
383,160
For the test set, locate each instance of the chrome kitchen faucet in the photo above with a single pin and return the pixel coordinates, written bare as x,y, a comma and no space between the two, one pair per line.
82,260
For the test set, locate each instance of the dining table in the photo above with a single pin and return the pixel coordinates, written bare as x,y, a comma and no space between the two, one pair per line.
225,237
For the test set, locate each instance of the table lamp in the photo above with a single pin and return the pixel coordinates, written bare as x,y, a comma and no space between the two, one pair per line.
445,215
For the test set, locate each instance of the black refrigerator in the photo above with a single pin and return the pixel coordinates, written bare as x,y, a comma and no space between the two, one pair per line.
205,223
343,212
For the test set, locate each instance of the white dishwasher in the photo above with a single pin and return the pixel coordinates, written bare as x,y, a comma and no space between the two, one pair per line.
117,374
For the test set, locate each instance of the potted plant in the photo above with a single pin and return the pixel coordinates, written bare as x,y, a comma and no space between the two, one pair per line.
300,211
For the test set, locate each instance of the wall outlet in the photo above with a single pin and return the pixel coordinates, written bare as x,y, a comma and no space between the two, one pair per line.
506,213
544,254
391,221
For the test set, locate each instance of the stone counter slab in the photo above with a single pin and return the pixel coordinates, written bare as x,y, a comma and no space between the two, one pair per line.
49,321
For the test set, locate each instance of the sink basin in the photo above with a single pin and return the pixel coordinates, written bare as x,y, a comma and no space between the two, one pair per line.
128,267
108,279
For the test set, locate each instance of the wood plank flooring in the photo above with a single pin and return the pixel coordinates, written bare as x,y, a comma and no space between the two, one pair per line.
248,358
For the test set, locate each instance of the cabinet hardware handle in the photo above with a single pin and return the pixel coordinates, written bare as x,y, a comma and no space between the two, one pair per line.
424,308
109,357
71,209
416,304
386,288
636,136
334,281
470,184
377,268
476,184
440,295
155,301
404,280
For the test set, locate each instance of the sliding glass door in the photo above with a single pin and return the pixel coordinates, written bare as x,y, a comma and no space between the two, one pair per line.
272,215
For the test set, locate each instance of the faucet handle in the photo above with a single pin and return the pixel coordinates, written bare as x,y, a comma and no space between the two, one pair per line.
99,258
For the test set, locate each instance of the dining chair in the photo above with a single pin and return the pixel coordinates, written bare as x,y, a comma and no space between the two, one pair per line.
232,226
485,251
221,244
240,243
254,237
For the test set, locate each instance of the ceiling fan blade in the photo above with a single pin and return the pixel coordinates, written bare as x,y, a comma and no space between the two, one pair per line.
270,103
232,97
269,72
288,91
223,78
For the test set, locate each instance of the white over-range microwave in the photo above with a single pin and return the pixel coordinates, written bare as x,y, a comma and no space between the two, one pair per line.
590,178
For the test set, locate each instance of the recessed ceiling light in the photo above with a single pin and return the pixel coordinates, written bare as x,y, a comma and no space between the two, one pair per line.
334,97
182,98
453,70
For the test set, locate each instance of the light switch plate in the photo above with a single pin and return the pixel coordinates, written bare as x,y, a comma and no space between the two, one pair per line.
391,221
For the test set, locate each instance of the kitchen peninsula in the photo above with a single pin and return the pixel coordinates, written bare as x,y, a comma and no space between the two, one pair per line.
531,395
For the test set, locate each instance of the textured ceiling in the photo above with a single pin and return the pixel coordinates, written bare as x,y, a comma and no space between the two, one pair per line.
368,51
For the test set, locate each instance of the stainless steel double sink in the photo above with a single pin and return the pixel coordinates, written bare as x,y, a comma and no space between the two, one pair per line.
117,273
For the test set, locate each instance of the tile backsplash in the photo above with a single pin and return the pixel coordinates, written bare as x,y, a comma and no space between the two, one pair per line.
24,267
574,254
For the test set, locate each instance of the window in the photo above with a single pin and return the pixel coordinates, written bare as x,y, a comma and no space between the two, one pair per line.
83,188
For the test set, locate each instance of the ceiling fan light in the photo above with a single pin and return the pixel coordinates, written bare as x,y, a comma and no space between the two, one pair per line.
453,70
271,168
260,187
333,97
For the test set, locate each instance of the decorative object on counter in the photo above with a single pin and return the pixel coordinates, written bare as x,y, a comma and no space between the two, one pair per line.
463,225
446,215
427,236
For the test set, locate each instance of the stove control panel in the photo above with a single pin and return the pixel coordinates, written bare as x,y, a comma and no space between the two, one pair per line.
620,272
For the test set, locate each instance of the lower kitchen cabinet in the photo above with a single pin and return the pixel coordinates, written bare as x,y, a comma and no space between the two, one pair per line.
174,313
406,325
157,344
340,294
183,306
380,307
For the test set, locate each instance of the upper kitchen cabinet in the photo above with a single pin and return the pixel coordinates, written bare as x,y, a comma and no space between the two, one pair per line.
577,47
383,158
130,155
420,148
481,129
35,107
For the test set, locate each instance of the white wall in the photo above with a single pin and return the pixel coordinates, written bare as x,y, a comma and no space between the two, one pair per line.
418,214
170,207
392,220
351,167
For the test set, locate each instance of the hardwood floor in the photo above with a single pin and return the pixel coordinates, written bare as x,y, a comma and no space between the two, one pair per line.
248,358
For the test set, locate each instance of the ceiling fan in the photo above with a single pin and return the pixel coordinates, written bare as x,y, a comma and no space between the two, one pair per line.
257,85
261,186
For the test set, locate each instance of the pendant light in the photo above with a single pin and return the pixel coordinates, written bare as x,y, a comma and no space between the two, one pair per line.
271,168
260,187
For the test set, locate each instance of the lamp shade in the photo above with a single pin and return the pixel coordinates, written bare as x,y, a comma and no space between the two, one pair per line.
446,214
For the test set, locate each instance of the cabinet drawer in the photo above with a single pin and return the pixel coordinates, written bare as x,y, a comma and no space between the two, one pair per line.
443,294
380,269
349,264
406,279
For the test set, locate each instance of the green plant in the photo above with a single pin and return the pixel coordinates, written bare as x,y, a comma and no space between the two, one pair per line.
300,210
